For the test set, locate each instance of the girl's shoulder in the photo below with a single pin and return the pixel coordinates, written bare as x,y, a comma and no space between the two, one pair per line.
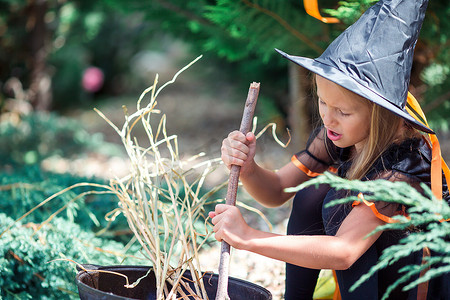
410,159
411,156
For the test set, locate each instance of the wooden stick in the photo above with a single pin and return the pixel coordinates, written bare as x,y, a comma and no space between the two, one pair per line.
247,117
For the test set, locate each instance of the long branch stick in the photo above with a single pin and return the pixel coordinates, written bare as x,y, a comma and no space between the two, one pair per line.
249,109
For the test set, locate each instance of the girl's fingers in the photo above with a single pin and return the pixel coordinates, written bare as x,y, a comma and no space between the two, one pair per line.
229,225
238,153
220,208
238,136
238,149
250,136
217,215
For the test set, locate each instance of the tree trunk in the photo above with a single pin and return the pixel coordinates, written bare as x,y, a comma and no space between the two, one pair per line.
40,80
300,112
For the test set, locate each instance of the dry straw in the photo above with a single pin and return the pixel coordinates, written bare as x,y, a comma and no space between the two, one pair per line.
161,198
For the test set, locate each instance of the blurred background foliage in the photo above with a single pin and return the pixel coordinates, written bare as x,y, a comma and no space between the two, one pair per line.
32,263
49,44
57,56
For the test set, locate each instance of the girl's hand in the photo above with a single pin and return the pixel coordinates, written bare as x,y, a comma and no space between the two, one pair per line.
230,226
239,149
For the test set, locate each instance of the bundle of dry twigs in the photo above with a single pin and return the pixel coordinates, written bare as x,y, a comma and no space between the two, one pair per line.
161,199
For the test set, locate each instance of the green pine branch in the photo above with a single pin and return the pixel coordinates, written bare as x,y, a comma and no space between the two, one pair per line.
425,214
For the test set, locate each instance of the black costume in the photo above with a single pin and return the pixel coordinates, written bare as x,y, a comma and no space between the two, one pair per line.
409,161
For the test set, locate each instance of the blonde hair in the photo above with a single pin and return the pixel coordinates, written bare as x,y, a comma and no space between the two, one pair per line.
383,132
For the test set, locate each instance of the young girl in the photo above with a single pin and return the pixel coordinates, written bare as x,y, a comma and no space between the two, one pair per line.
366,135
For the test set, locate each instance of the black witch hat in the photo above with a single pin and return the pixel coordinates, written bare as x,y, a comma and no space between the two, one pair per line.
373,57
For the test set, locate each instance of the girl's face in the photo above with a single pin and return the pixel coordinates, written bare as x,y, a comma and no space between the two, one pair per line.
345,115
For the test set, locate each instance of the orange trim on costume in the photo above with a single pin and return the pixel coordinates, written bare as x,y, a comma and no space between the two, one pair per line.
380,215
332,169
307,171
302,167
374,209
312,9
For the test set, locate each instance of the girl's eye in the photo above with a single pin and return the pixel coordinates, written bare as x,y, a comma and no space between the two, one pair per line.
343,113
321,102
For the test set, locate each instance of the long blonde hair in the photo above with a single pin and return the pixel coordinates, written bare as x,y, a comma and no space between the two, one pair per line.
383,132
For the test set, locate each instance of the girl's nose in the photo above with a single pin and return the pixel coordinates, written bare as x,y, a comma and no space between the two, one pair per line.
327,118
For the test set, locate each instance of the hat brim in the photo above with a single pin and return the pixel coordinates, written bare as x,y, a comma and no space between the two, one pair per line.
338,77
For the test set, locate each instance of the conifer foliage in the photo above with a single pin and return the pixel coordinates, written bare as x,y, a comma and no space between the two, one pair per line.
425,222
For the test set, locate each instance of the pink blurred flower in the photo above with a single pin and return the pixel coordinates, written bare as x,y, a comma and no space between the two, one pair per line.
92,79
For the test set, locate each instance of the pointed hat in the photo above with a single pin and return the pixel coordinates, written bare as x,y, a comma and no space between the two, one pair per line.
373,57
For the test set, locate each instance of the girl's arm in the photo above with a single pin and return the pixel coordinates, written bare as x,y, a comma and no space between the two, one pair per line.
265,186
317,252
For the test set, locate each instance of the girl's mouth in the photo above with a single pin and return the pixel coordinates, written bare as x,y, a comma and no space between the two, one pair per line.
333,135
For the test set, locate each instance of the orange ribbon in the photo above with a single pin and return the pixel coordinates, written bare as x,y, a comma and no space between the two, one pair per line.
437,162
375,210
302,167
307,171
312,9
